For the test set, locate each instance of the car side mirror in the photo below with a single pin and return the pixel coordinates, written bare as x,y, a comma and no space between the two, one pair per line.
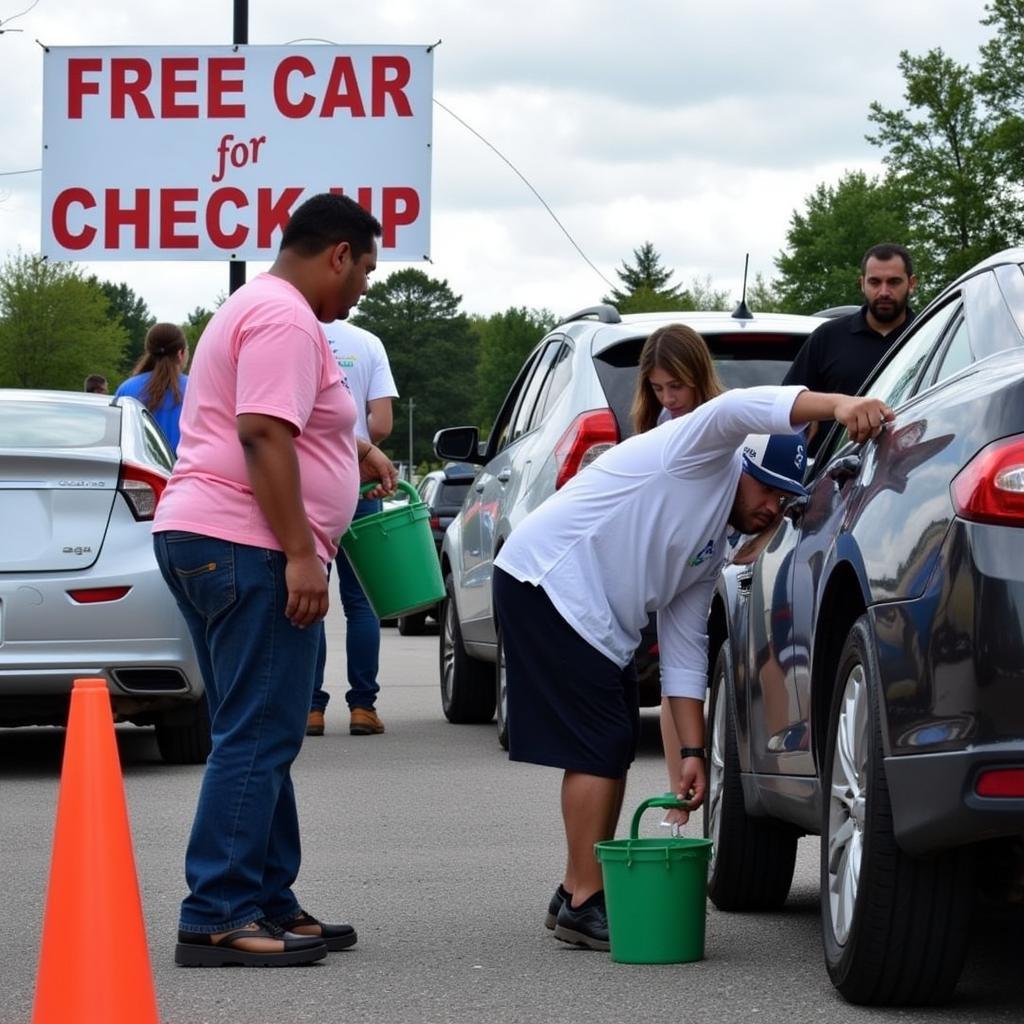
460,444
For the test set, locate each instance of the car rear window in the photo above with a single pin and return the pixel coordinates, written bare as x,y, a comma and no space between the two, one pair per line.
57,425
452,494
742,359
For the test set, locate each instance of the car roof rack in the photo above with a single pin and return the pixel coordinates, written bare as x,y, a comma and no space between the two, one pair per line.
604,313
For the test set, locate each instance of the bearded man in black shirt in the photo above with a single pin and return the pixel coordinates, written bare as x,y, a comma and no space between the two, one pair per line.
840,354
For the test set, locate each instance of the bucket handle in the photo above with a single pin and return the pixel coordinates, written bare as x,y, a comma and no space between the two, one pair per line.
666,800
410,492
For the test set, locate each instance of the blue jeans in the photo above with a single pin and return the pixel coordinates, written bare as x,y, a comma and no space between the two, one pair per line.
362,634
244,851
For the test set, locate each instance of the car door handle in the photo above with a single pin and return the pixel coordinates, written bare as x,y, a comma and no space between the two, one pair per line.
842,469
505,475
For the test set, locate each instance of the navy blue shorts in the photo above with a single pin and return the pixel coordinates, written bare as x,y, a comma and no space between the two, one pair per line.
569,706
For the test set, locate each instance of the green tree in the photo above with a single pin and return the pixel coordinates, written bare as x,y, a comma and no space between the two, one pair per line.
646,286
943,167
703,295
826,241
763,296
55,326
131,311
505,339
433,354
1000,81
195,323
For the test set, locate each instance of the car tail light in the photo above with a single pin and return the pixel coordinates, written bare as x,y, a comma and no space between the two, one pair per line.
990,488
97,595
1004,782
435,523
141,489
590,434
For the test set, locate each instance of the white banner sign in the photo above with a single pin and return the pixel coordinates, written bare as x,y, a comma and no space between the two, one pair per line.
201,153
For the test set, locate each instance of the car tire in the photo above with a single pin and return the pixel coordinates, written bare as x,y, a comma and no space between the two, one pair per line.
894,927
412,625
752,859
501,695
467,684
184,738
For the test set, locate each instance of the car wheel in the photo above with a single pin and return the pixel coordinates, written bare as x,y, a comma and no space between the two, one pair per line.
753,858
412,625
184,738
467,685
501,695
894,927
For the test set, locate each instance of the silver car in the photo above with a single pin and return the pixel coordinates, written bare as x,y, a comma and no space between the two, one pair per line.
80,591
569,403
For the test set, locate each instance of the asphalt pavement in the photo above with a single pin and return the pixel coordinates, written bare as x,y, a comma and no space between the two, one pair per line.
443,854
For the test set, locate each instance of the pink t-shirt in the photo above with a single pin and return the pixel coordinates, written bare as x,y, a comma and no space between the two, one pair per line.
263,352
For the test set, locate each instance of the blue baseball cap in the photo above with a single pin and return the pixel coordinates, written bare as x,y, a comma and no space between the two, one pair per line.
777,460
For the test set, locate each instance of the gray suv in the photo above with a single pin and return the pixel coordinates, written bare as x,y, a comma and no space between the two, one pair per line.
569,403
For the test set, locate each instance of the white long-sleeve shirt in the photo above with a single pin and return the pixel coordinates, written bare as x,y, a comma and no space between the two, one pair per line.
643,529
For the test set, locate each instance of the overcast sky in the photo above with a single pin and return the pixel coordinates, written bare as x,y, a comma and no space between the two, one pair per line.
698,126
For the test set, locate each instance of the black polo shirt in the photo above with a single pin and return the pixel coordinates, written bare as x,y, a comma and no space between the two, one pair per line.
839,356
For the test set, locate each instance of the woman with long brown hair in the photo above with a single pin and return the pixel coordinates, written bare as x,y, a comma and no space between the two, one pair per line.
675,374
158,379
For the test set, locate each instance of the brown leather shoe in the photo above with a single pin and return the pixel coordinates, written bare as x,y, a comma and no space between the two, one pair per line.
315,723
365,722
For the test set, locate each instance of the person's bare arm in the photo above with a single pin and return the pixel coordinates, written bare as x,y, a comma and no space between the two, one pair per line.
688,717
862,417
276,484
375,465
380,419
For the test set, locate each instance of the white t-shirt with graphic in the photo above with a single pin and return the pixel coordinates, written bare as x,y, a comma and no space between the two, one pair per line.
643,528
364,362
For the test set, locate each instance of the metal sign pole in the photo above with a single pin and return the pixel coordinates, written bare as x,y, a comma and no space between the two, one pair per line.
240,33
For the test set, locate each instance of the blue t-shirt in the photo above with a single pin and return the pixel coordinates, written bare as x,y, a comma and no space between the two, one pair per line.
169,411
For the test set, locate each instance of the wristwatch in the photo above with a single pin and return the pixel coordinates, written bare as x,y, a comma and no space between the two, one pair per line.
692,752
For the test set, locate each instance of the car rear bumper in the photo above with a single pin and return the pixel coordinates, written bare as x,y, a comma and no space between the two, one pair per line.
129,666
934,803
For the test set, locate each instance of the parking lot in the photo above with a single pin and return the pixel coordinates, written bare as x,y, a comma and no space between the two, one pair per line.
443,854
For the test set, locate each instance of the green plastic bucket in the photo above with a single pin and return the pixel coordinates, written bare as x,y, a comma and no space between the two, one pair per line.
393,554
654,891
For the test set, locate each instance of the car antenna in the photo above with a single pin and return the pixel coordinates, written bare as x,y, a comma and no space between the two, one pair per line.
741,312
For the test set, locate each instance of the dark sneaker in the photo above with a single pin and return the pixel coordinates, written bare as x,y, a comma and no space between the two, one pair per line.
561,896
585,925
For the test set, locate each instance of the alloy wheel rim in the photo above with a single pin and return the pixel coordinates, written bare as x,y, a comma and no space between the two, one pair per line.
847,800
448,651
716,770
502,687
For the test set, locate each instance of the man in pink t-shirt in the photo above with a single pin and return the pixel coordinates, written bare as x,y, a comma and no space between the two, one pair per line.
243,534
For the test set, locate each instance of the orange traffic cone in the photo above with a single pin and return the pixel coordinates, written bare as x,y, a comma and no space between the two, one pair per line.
93,962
